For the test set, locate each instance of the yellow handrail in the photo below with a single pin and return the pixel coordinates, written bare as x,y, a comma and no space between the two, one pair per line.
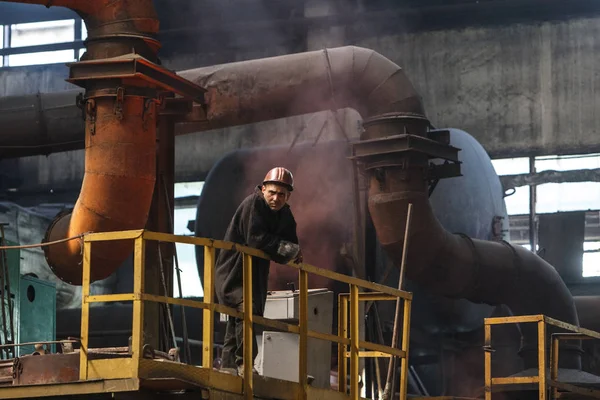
138,297
542,380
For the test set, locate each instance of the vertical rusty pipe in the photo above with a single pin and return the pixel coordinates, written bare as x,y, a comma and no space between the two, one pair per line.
120,145
116,192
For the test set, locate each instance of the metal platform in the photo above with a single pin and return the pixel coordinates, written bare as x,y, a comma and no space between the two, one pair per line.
164,379
139,372
547,379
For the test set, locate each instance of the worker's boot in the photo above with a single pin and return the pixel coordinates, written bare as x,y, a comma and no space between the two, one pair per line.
240,371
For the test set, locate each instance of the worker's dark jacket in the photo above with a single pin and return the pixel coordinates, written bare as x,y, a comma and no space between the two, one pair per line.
254,225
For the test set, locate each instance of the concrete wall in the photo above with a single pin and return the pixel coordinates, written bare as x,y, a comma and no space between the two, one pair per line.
519,89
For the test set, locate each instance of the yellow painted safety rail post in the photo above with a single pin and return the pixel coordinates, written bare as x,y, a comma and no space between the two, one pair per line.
371,349
137,367
248,359
542,379
122,367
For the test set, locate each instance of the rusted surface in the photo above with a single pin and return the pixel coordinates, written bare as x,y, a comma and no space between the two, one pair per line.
116,192
6,370
457,266
42,369
270,88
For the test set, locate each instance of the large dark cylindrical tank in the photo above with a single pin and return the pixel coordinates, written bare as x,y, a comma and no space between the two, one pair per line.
322,205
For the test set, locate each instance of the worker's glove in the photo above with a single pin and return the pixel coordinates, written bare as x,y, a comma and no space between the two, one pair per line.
299,259
288,250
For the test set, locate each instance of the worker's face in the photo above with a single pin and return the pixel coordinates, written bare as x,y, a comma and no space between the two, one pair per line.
276,196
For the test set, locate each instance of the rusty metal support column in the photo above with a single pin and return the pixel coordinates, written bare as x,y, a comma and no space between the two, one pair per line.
166,197
158,276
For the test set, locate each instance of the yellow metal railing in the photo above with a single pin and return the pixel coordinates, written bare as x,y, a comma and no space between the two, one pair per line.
542,380
134,366
375,350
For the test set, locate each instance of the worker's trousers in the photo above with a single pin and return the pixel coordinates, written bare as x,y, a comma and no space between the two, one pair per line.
233,344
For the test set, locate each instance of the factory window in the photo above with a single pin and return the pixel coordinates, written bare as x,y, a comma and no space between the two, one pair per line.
518,202
591,259
556,197
552,197
1,44
38,33
42,42
573,196
185,211
44,57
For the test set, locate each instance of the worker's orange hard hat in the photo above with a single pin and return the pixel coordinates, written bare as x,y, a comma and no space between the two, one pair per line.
281,176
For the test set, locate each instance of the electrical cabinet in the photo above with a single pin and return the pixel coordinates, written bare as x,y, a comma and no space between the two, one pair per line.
37,309
278,354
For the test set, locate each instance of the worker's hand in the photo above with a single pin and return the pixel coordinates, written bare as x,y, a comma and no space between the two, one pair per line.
299,259
288,251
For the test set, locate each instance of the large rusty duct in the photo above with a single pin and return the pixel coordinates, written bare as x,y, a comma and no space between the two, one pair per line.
259,90
123,85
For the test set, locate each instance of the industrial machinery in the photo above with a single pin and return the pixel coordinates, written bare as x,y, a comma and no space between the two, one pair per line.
355,204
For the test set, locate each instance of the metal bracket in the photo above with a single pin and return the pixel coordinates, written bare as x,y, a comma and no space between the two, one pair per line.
80,103
90,111
134,68
147,105
391,151
119,99
17,368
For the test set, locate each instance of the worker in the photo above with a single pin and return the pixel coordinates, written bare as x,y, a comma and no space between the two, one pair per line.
263,221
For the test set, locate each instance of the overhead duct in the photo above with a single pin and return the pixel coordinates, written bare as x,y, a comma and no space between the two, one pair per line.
122,82
259,90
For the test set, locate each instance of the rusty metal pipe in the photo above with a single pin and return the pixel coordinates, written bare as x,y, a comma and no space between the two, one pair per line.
248,92
120,141
456,266
116,193
277,87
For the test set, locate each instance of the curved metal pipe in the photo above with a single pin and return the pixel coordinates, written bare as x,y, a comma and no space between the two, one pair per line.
120,146
259,90
457,266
